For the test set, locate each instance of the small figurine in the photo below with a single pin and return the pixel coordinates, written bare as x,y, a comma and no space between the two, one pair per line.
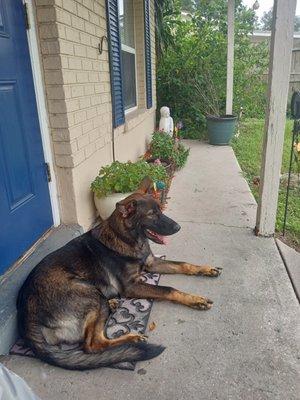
166,123
179,125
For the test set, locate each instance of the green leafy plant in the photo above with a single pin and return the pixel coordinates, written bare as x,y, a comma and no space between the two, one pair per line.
164,147
180,156
246,150
125,177
167,14
191,74
193,133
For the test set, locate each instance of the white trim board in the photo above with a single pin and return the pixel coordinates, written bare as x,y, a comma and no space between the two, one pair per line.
41,108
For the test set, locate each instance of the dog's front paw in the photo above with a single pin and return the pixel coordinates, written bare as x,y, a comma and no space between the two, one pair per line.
207,270
201,303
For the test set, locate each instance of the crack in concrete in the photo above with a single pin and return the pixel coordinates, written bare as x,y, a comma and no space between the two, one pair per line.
215,224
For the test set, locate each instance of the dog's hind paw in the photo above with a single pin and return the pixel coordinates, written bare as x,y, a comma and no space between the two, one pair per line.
214,272
137,337
113,304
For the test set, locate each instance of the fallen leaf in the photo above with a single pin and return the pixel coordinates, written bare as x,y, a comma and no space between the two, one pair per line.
152,326
142,371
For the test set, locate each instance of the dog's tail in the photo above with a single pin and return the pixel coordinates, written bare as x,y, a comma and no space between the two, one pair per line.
76,358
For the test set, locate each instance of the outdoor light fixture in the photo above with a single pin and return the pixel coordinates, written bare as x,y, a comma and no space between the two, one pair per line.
100,45
255,5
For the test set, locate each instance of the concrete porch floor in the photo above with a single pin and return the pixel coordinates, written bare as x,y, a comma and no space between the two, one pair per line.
246,347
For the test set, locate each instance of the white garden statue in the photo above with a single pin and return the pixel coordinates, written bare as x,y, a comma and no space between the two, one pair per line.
166,123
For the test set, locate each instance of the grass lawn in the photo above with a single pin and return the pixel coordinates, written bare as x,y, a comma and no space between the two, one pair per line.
248,148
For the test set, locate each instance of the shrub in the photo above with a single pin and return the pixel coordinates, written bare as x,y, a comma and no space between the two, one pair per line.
125,177
181,156
164,147
191,73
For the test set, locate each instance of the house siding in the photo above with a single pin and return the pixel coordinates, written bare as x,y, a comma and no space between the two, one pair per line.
77,84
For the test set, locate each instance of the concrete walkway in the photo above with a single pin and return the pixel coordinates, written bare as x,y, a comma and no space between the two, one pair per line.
245,347
291,259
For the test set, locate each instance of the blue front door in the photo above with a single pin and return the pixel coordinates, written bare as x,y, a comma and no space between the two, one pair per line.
25,209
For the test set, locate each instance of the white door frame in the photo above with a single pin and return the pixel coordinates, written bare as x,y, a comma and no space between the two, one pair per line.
41,107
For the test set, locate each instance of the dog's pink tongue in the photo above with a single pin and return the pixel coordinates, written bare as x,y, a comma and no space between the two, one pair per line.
164,240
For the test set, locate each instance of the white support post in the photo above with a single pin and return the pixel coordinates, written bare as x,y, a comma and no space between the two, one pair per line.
278,85
230,56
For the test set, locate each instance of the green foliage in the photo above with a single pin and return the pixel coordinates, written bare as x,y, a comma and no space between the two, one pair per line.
248,148
195,134
188,5
125,177
191,74
167,15
164,147
267,18
180,156
297,23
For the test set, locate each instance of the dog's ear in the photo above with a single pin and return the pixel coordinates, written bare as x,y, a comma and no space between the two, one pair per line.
126,208
146,186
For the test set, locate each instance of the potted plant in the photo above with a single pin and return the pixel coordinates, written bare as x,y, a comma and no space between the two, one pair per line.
118,180
220,126
168,150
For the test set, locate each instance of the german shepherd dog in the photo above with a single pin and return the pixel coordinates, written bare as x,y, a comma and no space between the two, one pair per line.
65,301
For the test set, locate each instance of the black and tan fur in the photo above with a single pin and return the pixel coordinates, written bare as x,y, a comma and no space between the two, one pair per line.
64,303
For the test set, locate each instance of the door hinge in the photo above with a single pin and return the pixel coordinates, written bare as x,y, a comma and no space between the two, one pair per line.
48,172
26,16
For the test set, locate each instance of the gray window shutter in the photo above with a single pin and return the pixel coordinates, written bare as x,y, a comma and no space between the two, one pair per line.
148,54
115,62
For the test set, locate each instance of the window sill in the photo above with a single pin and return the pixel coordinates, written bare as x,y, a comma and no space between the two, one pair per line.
136,117
134,114
133,119
131,110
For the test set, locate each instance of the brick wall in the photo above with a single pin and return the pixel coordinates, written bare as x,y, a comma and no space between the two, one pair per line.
77,84
76,77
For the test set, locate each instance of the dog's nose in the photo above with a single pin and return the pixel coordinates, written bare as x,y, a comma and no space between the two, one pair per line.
177,227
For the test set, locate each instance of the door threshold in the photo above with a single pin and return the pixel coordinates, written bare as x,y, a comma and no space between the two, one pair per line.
13,279
26,255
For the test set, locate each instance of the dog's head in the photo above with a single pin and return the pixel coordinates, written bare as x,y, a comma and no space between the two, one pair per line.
141,215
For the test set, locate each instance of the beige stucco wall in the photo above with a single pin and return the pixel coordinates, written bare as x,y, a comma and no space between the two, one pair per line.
77,84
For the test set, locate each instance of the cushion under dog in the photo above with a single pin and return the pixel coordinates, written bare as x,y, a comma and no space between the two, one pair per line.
131,315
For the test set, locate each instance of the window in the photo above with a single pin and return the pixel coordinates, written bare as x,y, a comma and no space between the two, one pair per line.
128,56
